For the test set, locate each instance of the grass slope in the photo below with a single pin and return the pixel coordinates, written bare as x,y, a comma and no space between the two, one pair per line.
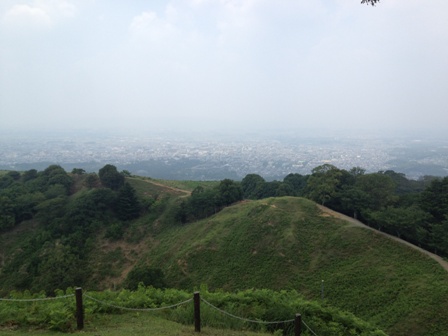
286,243
277,243
135,324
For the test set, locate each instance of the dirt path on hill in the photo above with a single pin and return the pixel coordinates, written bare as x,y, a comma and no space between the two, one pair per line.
186,192
355,222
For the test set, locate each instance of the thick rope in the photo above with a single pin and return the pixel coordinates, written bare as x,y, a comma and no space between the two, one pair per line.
38,299
244,319
308,328
137,309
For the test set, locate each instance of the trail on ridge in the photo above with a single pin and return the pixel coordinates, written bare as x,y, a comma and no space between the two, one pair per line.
357,223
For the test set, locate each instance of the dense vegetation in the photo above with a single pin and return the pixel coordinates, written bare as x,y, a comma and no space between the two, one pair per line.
110,229
415,211
256,305
68,209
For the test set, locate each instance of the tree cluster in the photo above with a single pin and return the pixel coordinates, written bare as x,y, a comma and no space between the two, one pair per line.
416,211
69,209
370,2
206,202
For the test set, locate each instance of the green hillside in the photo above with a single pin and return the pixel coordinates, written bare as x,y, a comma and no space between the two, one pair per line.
275,243
286,243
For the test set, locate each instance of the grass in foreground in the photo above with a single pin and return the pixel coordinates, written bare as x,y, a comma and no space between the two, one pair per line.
136,324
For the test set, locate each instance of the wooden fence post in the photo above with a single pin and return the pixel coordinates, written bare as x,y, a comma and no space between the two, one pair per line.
298,325
197,312
79,309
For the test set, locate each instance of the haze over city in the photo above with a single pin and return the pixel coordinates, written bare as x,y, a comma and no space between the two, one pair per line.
224,65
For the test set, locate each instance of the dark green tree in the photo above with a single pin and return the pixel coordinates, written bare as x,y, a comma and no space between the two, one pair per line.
127,204
323,183
7,215
252,185
201,204
379,188
370,2
92,181
25,205
297,183
110,177
78,171
15,175
145,275
29,175
51,210
401,222
60,268
439,237
229,192
435,199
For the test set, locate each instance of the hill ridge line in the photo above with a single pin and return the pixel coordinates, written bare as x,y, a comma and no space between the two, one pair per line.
357,223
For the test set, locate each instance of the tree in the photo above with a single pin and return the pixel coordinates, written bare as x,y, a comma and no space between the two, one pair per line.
357,171
55,190
25,205
127,205
439,237
29,175
252,185
297,183
323,182
229,192
92,181
15,175
78,171
110,177
7,216
402,222
370,2
126,173
380,189
435,199
51,210
352,200
55,174
202,203
60,268
148,276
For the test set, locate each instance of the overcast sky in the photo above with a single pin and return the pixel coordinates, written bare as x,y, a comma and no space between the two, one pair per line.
241,64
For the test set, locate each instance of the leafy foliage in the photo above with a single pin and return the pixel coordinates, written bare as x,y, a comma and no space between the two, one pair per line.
254,239
66,224
142,274
370,2
261,305
110,177
127,205
206,202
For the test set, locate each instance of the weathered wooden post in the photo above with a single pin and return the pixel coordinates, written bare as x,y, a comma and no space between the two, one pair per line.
197,312
298,325
79,309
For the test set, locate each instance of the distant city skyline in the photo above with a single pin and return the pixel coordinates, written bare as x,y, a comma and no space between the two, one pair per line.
217,156
237,65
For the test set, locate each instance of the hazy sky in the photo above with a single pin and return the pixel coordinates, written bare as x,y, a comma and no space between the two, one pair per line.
242,64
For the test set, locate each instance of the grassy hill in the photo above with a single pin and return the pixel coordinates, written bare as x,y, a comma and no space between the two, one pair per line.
275,243
285,242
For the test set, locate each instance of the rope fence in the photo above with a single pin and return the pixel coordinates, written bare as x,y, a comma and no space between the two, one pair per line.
242,318
197,315
137,309
39,299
